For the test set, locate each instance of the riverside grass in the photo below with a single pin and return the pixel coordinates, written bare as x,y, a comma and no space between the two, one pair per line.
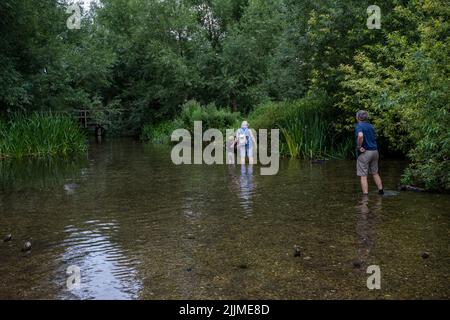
40,135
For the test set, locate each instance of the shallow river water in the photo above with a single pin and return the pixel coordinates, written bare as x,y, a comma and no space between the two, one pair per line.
139,227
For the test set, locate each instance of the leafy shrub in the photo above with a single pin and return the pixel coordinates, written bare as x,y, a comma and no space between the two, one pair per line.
268,115
210,115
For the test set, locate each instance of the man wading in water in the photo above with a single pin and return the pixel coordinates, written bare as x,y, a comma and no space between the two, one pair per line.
368,155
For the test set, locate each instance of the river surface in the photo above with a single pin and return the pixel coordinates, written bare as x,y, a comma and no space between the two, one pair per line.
139,227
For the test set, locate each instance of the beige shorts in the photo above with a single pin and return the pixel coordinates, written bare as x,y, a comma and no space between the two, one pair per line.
367,163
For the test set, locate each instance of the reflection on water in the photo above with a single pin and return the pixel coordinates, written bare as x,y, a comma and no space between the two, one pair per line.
140,227
70,188
367,213
39,173
246,188
242,184
106,272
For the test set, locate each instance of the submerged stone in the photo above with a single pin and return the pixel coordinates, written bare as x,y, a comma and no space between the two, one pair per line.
403,187
425,255
7,238
26,246
297,252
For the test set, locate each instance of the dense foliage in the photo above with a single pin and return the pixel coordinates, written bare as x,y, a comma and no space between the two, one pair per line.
135,64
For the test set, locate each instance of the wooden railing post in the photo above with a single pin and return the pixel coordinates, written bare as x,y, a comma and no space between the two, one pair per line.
85,118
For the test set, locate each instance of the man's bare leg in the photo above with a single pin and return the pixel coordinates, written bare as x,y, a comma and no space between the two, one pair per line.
364,185
378,182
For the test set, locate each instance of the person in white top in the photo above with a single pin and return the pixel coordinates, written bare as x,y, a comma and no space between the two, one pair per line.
246,141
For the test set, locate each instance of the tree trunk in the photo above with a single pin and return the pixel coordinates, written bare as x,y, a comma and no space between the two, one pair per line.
234,104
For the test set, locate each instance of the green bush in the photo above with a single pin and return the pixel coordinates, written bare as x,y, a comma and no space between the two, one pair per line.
40,135
430,158
210,115
268,115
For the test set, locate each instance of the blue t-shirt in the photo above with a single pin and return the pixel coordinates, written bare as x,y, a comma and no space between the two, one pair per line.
370,137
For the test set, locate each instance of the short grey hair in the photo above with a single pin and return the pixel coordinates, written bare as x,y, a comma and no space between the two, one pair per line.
362,115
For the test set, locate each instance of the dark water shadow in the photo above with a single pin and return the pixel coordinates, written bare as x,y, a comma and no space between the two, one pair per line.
42,173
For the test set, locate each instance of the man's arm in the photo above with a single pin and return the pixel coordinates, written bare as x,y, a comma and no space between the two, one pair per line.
360,142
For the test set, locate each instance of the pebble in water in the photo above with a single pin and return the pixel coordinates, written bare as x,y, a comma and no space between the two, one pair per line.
26,246
425,255
7,238
297,252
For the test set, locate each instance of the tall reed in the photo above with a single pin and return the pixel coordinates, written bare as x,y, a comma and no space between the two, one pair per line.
39,135
306,128
305,132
